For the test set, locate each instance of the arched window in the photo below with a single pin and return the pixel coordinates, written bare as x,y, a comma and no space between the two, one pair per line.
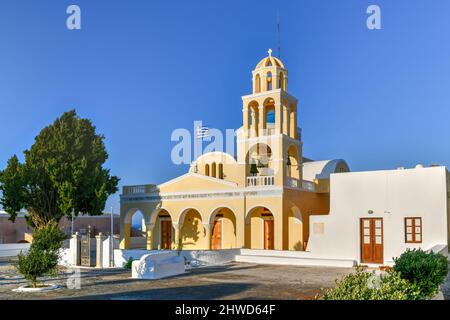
269,81
220,170
281,81
213,170
270,115
257,84
206,169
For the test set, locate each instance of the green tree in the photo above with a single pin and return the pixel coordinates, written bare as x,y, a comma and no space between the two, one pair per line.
63,171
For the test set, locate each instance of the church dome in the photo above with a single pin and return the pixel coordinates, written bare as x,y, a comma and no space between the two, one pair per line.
270,61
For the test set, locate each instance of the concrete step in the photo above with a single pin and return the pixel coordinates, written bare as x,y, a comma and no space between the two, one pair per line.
294,261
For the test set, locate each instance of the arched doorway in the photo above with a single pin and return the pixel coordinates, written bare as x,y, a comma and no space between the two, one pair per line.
138,232
163,232
223,229
295,230
192,232
260,229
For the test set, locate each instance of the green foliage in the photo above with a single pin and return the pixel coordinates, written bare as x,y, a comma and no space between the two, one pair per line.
62,172
128,264
43,255
36,263
48,238
426,270
363,285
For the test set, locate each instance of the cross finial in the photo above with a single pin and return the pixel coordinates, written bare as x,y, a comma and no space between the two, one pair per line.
270,52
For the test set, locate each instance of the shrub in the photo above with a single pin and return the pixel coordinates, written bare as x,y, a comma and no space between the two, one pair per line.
363,285
37,263
426,270
128,264
43,256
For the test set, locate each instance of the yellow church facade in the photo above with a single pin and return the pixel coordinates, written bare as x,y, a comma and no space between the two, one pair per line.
261,199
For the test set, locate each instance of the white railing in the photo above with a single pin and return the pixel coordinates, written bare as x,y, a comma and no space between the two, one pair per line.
260,181
139,189
308,185
292,182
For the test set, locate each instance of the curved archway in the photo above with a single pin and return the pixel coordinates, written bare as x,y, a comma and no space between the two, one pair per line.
213,170
259,228
295,229
220,171
136,229
253,115
223,228
259,160
292,163
206,169
192,231
163,231
269,82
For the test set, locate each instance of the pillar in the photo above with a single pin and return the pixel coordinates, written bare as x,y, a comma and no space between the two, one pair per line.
99,251
125,236
261,121
149,231
246,120
240,230
75,249
278,118
286,119
178,245
208,228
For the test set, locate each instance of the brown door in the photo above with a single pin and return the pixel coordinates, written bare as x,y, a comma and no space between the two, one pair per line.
372,240
166,234
268,234
216,237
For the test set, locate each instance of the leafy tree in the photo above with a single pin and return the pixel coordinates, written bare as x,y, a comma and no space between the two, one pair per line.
63,171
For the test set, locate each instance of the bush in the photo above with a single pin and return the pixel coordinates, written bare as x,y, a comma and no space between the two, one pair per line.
43,256
426,270
363,285
128,264
37,263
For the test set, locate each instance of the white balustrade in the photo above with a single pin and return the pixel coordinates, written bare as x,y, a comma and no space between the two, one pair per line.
260,181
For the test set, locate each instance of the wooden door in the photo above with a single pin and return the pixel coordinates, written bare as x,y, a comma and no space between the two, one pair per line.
216,237
166,234
372,240
268,235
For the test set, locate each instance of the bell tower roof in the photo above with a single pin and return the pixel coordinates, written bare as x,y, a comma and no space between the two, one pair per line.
269,61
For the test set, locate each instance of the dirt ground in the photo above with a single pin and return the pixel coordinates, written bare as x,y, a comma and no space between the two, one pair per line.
231,281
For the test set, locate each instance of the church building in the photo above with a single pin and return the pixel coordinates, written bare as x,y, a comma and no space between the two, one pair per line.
270,197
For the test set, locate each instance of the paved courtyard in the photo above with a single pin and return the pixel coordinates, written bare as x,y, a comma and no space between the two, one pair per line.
231,281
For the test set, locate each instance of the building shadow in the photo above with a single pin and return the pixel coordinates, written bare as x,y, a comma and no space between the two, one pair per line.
194,292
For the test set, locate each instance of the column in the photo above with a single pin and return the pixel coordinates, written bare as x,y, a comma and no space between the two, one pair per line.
246,120
286,119
208,228
75,249
261,121
125,236
99,251
149,228
178,245
254,125
278,118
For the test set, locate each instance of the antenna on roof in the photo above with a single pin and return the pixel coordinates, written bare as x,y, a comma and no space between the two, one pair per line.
278,34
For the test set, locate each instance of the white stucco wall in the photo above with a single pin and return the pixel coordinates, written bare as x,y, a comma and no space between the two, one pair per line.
391,195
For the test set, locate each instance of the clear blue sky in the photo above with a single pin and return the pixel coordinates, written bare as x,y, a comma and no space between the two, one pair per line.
140,69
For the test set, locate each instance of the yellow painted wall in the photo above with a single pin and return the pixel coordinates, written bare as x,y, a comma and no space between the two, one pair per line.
193,232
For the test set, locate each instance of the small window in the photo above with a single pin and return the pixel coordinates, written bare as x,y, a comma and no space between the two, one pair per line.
413,230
